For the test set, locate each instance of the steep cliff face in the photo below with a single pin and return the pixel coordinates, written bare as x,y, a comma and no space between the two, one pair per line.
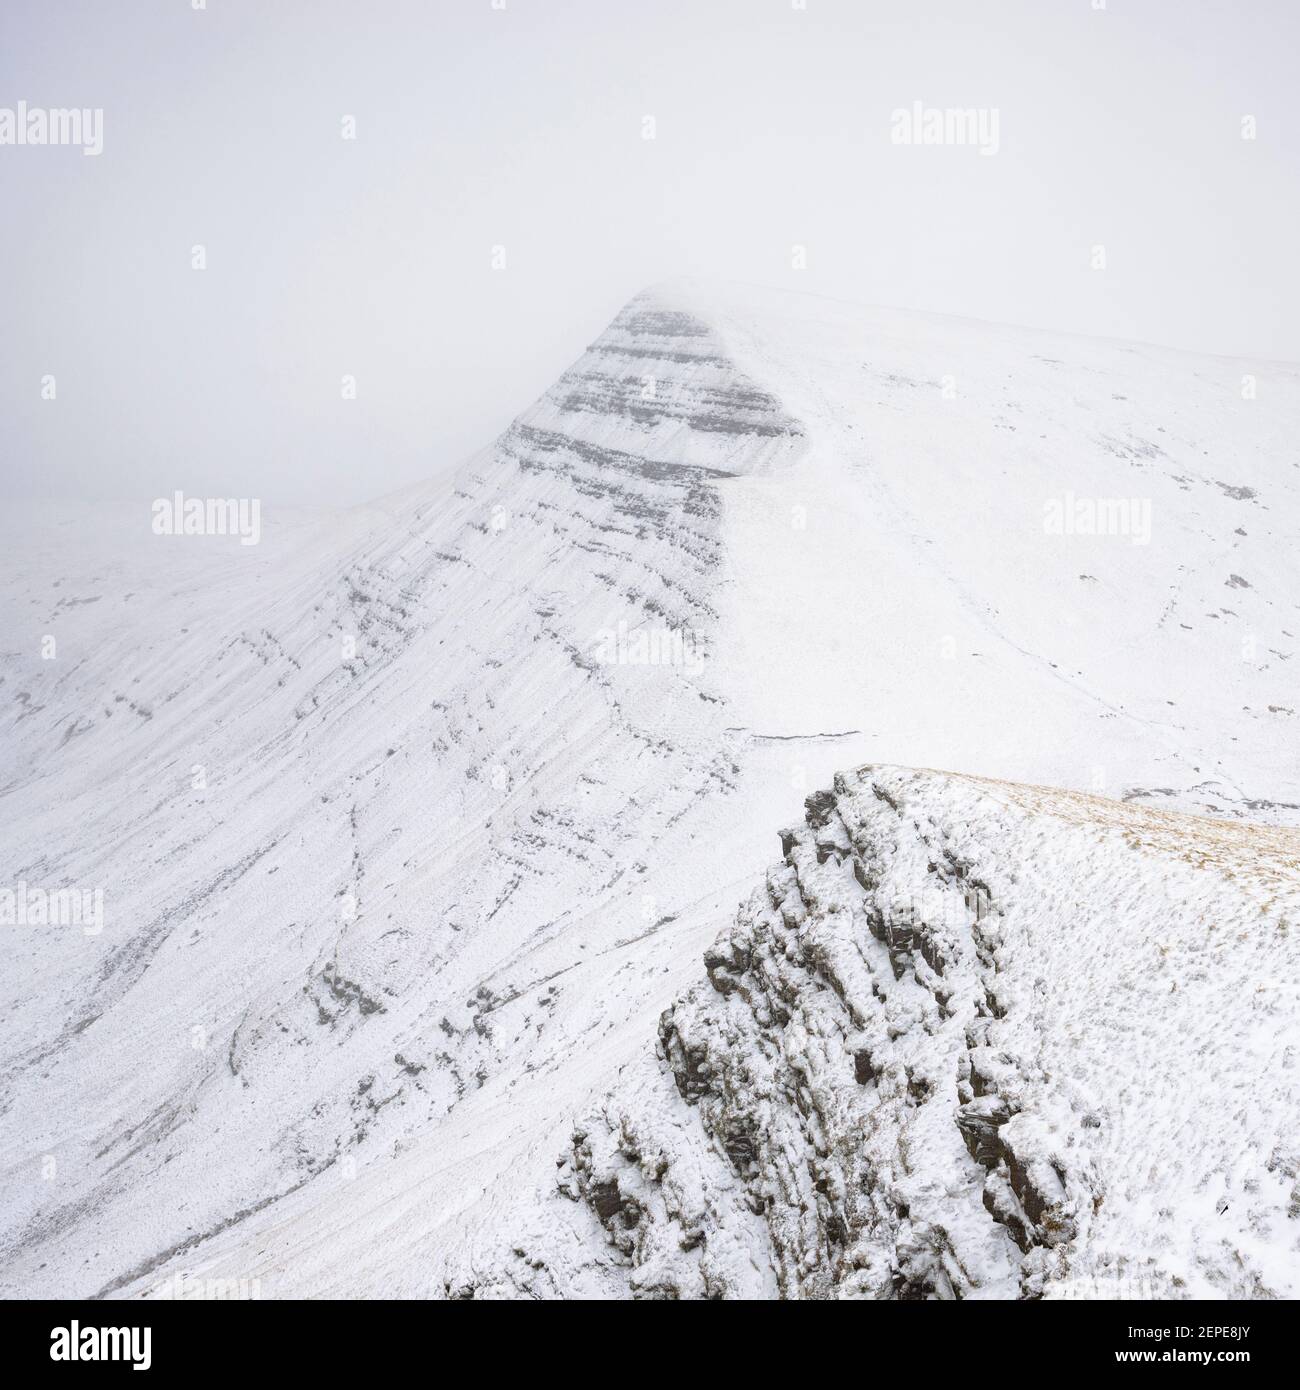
974,1040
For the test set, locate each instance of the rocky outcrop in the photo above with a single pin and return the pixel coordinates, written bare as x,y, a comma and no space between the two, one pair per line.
963,1044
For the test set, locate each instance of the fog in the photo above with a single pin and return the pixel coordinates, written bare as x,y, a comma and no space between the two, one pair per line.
443,203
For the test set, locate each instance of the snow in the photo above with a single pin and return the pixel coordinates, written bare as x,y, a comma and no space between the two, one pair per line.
355,994
975,1039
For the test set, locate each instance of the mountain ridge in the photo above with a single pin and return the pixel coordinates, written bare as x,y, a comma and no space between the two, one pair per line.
387,844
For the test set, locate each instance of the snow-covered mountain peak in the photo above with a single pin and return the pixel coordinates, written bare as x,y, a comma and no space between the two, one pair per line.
661,374
410,823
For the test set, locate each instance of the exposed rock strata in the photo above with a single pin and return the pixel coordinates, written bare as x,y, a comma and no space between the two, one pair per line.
970,1040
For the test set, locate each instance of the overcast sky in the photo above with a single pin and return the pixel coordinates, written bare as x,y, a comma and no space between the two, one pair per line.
523,127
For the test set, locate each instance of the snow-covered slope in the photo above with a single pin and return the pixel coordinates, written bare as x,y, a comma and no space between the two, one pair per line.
410,823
